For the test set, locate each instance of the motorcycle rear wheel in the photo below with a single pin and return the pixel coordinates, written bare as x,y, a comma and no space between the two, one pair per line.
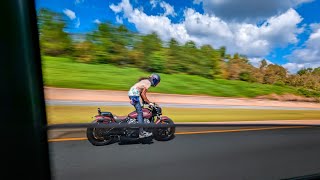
96,136
164,134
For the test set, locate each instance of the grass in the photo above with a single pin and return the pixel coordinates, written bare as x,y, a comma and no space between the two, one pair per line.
64,72
84,114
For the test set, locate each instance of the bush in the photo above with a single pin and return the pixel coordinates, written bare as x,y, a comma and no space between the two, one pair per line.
244,76
279,83
308,93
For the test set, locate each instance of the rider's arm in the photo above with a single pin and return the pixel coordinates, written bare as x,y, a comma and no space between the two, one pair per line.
144,95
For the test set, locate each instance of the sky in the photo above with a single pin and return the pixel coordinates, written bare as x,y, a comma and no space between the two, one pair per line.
284,32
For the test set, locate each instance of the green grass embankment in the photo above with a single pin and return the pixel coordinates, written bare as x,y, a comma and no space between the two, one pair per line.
64,72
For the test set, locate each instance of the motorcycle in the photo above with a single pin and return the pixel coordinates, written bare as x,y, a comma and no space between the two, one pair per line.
151,114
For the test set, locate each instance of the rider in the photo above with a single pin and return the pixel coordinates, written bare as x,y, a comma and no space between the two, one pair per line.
140,89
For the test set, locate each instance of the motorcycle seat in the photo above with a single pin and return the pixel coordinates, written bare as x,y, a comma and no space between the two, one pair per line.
120,118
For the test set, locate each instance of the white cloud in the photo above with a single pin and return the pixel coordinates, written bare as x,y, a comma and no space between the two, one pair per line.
78,1
97,21
153,3
205,29
118,8
247,10
147,24
70,14
119,20
169,10
311,50
256,62
77,25
293,67
277,31
244,38
197,1
309,54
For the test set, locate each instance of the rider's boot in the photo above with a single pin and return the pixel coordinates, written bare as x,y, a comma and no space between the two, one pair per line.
144,134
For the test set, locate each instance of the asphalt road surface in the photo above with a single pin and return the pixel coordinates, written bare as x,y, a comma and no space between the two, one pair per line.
262,154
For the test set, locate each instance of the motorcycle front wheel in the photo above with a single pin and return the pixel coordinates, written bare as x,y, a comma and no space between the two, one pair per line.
164,134
97,138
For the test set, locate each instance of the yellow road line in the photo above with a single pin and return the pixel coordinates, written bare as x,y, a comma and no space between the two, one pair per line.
197,132
67,139
239,130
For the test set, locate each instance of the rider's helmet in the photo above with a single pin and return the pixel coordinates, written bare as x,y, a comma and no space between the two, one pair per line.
154,79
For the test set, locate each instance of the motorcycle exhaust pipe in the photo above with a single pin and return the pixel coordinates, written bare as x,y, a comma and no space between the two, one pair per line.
114,133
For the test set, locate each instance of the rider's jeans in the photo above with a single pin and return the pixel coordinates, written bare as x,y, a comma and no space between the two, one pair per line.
138,107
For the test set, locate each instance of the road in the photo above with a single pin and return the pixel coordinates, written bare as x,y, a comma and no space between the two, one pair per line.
65,96
260,154
175,105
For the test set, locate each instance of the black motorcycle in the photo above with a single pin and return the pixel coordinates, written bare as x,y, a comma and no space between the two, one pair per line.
152,114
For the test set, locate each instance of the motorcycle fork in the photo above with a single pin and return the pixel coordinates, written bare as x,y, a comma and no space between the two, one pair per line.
158,120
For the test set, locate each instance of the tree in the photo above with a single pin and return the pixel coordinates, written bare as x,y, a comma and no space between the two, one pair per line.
122,41
307,77
263,64
222,50
316,71
211,59
239,65
157,60
149,44
174,61
305,71
53,40
84,51
275,74
112,44
191,57
101,38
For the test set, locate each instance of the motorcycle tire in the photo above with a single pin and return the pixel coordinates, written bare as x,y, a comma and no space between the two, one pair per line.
95,136
158,135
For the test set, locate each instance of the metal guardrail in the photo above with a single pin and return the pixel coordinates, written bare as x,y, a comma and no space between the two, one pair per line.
151,125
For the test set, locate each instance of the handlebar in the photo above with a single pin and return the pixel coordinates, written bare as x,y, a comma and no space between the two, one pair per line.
151,104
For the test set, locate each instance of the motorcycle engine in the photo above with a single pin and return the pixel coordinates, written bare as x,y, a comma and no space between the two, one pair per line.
134,121
134,132
147,121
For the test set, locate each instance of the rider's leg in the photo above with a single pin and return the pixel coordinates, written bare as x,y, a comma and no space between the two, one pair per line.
136,103
138,107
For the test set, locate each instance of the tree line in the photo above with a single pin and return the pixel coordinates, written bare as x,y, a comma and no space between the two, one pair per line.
117,45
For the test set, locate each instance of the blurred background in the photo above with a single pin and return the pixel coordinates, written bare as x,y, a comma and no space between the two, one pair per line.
221,62
99,46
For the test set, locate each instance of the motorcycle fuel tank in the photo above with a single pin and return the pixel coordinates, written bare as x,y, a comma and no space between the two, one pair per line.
146,114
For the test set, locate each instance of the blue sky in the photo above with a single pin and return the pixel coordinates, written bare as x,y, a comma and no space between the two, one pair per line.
285,32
